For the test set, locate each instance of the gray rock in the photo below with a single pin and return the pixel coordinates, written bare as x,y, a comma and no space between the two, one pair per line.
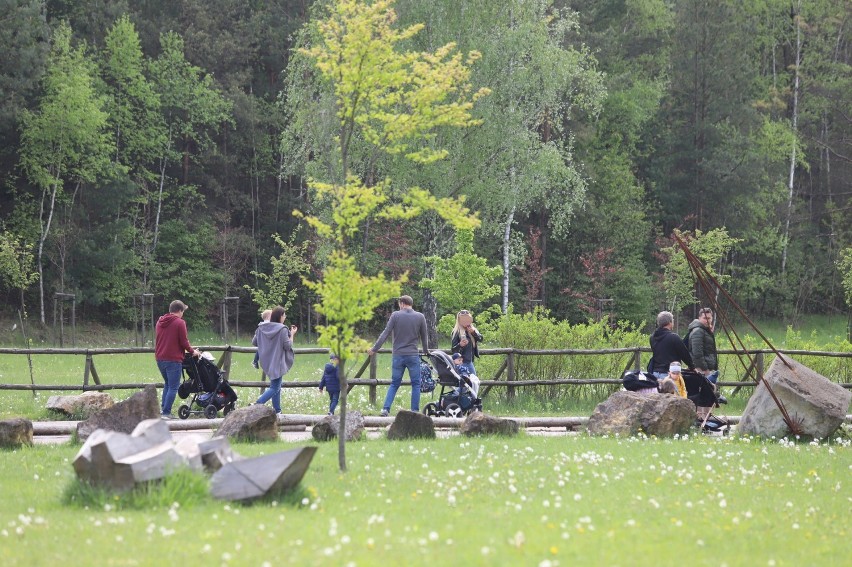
216,453
16,432
628,413
86,404
118,461
478,423
327,428
256,422
817,404
249,479
411,425
124,416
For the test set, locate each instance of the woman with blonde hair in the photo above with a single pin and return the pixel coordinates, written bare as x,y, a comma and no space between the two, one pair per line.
465,339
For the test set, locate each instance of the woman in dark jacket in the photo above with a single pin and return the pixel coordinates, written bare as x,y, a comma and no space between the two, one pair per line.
465,340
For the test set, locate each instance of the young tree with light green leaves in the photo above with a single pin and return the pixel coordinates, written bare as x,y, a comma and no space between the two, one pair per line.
391,98
710,247
274,288
65,141
462,281
17,270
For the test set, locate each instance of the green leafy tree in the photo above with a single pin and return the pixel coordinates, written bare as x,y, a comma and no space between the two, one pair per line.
275,288
710,247
65,142
462,281
392,99
844,265
17,270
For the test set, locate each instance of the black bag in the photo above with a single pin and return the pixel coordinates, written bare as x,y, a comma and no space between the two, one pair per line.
635,380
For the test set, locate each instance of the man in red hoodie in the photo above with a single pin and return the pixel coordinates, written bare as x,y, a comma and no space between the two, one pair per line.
169,348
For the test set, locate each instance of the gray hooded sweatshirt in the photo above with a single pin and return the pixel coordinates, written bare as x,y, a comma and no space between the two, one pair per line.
275,349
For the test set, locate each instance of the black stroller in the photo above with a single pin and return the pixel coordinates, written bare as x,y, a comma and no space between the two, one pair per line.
462,398
702,392
208,387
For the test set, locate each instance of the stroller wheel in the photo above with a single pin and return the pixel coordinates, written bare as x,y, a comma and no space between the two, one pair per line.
183,411
454,410
210,412
430,409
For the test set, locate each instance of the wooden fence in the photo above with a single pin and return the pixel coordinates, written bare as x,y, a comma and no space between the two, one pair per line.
504,377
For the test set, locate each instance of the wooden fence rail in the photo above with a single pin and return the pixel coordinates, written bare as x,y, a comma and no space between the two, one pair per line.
92,382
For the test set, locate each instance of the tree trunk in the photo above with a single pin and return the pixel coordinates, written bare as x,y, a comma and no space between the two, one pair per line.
45,230
506,233
341,430
792,176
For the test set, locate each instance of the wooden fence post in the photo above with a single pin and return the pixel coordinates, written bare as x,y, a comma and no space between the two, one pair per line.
758,362
510,376
90,369
373,378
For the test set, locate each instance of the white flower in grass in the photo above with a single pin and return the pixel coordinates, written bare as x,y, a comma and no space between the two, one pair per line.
485,550
723,503
577,497
795,526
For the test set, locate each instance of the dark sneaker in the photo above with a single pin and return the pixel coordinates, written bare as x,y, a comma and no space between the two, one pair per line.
722,400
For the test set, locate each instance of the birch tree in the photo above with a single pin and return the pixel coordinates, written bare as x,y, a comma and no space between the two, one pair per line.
65,142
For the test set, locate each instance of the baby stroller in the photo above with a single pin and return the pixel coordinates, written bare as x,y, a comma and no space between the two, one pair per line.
207,385
702,392
462,398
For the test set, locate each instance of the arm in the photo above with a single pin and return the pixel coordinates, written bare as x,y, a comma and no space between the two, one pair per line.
183,338
682,351
424,334
455,343
383,337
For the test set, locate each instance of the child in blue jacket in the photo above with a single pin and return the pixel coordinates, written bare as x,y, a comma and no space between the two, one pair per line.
331,382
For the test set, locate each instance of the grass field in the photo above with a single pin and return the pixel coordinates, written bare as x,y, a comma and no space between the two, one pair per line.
541,501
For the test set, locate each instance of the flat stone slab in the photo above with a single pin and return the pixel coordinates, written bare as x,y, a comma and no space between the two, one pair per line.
85,404
252,478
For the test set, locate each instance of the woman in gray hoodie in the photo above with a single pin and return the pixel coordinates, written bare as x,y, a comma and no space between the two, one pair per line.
274,342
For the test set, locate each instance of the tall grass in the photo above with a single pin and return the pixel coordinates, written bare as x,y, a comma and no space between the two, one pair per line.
485,501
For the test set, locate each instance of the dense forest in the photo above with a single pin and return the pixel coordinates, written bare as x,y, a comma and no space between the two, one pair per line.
162,147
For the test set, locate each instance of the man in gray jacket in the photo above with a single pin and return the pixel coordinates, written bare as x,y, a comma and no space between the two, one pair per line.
408,327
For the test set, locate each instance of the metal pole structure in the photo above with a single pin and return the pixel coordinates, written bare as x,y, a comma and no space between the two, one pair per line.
59,299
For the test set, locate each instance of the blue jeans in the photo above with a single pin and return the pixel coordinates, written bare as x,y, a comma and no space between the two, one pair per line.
171,372
398,366
334,397
713,376
273,392
469,367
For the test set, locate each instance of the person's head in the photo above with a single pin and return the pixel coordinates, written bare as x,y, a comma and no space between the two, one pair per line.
177,307
705,315
674,368
278,315
334,358
667,386
405,301
457,359
665,319
267,313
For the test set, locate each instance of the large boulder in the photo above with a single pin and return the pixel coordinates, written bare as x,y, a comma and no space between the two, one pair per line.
817,404
85,405
248,479
627,413
118,461
124,416
411,425
478,423
327,428
15,433
256,422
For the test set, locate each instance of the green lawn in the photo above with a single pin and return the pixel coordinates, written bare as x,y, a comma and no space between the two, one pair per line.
523,501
